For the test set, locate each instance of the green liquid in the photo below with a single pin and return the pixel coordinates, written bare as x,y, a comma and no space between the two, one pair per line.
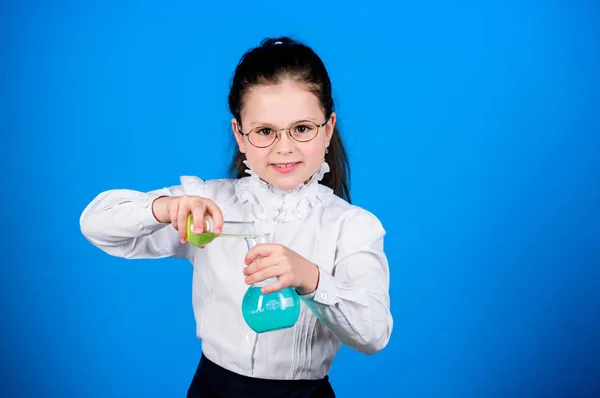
206,237
201,239
272,311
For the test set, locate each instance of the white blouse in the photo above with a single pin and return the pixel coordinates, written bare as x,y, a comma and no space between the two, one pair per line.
351,304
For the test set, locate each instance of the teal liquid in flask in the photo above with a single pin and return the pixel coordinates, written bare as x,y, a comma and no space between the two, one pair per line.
271,311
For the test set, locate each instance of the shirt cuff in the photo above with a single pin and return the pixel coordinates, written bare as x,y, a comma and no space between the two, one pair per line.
326,291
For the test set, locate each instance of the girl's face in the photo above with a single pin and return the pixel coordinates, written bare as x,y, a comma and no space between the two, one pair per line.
286,163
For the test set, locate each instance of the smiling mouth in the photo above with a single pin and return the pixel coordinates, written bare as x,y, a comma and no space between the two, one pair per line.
284,165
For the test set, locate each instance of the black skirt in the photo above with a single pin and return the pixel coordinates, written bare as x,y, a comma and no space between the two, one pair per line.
213,381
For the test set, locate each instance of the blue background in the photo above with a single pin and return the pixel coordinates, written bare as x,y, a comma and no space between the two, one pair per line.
473,130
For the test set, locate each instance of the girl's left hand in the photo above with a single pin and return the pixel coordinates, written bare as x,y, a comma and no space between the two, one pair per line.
273,260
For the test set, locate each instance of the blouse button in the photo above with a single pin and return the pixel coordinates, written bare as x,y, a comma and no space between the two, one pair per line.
324,296
248,337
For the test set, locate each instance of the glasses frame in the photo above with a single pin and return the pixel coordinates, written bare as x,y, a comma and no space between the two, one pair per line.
287,129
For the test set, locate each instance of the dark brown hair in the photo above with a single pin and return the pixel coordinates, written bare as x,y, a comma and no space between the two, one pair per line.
274,60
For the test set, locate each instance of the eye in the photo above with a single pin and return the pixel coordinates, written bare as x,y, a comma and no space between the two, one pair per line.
263,131
302,129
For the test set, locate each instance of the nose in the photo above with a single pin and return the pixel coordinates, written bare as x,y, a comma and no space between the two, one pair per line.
284,143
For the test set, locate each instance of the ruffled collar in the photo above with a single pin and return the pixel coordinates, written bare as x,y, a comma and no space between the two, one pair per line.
276,205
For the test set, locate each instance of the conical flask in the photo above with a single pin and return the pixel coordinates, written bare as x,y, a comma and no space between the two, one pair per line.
271,311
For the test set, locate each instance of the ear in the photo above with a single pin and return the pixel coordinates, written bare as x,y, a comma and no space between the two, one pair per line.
239,138
329,127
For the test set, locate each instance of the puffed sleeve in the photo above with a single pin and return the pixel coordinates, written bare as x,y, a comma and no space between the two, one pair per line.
353,300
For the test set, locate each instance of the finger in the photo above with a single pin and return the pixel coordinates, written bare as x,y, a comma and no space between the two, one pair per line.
182,215
263,274
260,264
260,250
283,282
173,208
198,211
216,214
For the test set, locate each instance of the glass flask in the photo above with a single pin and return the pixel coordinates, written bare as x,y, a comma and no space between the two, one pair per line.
271,311
231,229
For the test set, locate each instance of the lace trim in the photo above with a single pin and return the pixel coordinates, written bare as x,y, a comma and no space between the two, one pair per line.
273,204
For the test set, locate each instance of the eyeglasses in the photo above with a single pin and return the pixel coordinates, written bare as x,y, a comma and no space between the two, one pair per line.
301,131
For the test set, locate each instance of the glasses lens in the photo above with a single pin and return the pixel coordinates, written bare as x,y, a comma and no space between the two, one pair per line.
262,137
304,130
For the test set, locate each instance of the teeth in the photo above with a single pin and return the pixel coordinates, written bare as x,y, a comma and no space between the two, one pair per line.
284,165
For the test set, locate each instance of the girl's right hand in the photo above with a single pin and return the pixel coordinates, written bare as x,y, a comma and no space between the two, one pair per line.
175,210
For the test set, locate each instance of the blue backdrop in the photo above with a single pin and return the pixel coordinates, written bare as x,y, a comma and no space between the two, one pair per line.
473,130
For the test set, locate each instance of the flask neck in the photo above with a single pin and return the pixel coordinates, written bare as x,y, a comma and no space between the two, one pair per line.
231,228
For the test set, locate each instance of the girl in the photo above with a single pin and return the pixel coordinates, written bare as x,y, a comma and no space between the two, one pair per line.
291,178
